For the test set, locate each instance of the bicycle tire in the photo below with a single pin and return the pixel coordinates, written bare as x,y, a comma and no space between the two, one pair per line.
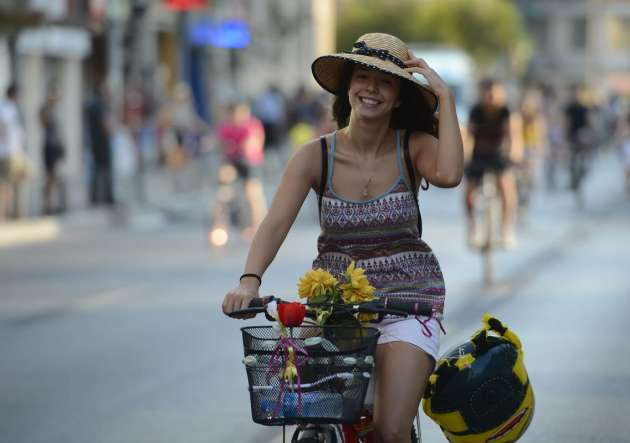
317,434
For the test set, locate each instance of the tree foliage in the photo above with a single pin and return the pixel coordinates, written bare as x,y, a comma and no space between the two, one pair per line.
486,29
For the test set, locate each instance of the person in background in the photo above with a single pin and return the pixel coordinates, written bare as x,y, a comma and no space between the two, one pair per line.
496,146
534,130
555,146
623,140
271,109
53,152
99,128
578,130
241,139
14,167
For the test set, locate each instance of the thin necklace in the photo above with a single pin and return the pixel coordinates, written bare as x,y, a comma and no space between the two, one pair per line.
365,192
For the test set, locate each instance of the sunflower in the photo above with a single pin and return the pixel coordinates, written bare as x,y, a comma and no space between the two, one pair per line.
357,288
315,283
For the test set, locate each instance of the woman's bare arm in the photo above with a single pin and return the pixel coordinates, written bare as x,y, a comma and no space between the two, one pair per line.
301,174
441,161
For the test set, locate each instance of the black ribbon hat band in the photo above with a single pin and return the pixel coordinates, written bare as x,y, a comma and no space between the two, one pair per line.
361,48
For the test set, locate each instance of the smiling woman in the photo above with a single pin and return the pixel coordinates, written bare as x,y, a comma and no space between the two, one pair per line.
365,177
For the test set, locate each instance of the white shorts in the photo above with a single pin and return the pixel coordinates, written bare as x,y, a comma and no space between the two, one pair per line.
412,331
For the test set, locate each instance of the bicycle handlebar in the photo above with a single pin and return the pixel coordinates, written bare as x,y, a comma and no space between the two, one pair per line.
382,307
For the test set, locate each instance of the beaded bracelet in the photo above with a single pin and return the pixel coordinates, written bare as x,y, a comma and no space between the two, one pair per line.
256,276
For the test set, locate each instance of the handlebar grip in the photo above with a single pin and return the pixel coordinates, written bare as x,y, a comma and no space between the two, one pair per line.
258,302
256,306
410,307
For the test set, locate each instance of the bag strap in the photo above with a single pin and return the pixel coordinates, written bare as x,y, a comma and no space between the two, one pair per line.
324,177
412,178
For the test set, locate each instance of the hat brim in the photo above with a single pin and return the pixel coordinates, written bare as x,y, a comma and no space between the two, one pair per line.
327,71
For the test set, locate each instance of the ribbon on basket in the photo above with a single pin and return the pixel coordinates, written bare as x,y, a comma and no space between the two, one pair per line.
288,356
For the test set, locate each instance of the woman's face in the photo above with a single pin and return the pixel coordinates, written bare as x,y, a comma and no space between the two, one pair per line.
373,93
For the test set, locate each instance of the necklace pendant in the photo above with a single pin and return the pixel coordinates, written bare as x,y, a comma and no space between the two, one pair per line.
365,192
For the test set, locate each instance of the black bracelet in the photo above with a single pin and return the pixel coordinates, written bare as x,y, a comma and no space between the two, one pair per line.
256,276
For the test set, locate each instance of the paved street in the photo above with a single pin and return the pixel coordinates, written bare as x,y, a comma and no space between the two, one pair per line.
115,334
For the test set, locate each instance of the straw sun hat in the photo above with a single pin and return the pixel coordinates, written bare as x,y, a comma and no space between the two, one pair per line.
375,50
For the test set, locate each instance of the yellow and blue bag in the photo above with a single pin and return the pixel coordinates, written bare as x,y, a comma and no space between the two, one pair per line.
480,391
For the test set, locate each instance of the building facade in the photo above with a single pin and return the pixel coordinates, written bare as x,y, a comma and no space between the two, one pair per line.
580,42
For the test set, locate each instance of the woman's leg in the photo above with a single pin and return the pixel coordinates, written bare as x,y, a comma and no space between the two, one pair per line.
402,373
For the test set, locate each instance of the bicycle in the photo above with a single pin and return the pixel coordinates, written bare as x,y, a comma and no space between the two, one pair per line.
335,364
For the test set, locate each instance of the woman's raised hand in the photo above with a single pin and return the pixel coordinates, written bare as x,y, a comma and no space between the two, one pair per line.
418,65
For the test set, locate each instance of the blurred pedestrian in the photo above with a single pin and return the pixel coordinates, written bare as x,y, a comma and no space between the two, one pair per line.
579,135
241,138
304,118
623,137
303,107
495,147
271,109
53,151
99,125
534,136
14,165
555,143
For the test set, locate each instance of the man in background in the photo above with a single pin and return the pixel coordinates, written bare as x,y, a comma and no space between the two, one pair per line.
14,167
99,130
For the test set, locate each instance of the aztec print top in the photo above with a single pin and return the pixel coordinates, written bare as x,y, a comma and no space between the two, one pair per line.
381,235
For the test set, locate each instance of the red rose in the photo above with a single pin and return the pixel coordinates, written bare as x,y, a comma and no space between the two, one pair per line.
291,314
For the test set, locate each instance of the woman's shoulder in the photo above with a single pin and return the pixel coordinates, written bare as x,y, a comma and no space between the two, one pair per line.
314,146
309,155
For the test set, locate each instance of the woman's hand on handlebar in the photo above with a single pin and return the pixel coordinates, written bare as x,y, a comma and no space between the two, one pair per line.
240,298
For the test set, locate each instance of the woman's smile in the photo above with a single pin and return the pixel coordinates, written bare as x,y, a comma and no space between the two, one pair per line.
369,101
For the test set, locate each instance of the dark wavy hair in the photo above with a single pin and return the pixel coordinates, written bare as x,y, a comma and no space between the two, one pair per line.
413,113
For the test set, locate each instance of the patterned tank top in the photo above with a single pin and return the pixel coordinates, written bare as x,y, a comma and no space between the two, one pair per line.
380,235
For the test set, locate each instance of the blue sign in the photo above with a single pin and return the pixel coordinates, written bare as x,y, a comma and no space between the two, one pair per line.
227,34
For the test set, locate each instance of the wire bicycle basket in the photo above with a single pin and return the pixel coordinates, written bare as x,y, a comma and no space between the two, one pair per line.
333,364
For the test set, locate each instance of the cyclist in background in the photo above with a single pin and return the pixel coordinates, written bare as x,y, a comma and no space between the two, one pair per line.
578,134
241,138
369,209
495,134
